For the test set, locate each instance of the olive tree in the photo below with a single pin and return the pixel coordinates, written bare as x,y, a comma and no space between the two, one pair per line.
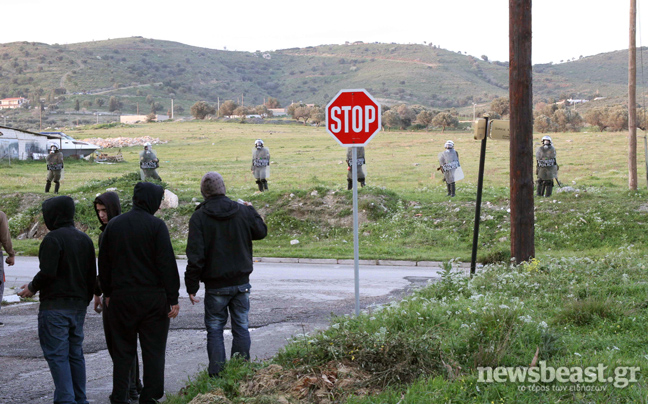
201,109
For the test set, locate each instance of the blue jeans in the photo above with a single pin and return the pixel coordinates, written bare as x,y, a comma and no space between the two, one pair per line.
218,302
61,338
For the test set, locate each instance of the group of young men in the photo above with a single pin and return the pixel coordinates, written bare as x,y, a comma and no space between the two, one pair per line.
137,286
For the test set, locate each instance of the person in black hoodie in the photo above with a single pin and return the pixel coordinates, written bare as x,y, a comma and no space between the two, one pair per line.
66,280
140,282
219,253
106,207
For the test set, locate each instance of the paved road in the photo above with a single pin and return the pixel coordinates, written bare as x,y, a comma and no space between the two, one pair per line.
286,299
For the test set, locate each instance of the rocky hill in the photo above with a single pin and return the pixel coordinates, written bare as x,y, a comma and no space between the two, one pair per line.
141,73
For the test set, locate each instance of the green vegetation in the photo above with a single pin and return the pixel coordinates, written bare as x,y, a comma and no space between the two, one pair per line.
573,312
404,213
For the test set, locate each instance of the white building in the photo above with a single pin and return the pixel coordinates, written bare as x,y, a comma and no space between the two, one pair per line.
21,144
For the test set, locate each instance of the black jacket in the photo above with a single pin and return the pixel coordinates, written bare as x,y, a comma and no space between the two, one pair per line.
135,255
113,208
219,247
67,260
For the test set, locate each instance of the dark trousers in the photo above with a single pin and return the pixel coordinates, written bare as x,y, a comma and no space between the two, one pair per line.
135,383
146,315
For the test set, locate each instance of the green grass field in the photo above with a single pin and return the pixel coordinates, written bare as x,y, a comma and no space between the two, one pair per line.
404,211
582,303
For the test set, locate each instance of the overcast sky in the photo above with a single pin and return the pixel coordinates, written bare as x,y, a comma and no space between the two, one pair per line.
562,29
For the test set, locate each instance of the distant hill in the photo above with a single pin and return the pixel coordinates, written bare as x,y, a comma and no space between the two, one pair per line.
141,72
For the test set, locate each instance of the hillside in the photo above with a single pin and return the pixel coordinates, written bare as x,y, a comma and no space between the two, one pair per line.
142,72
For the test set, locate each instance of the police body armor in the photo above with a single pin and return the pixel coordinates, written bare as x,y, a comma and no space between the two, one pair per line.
148,165
547,168
261,163
449,161
360,160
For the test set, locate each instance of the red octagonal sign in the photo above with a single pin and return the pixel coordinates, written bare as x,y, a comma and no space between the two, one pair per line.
353,117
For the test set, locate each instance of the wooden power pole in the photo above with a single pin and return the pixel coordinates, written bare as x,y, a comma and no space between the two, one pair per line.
632,98
521,147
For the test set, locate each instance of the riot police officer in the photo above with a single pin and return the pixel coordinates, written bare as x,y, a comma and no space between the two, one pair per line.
360,160
450,167
261,164
54,167
547,168
148,163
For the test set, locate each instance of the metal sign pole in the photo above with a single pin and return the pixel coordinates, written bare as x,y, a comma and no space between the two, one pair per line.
646,155
356,244
480,186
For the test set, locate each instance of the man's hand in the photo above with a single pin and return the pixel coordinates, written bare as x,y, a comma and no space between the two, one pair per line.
107,301
174,311
10,260
194,299
97,304
25,291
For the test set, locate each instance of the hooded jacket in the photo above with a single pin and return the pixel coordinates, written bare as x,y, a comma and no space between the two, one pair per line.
113,208
135,254
67,260
219,246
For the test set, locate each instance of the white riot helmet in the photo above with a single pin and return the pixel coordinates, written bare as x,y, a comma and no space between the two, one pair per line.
258,143
51,144
449,144
147,146
546,138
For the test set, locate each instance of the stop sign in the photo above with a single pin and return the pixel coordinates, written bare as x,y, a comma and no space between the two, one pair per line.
353,117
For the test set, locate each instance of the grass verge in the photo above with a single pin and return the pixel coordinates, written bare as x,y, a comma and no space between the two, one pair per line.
573,312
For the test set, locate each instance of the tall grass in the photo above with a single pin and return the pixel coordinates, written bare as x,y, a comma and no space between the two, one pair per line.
427,348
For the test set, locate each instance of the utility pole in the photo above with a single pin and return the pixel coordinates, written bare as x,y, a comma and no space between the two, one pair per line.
521,146
171,108
632,99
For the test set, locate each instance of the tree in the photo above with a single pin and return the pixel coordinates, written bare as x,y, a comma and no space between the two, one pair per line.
406,114
178,109
273,103
391,119
76,105
542,123
424,118
291,110
485,58
114,104
500,106
596,117
227,108
151,117
241,111
201,109
302,114
100,102
445,119
261,110
617,118
317,115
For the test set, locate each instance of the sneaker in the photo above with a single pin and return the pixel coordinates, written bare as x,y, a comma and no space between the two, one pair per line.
1,324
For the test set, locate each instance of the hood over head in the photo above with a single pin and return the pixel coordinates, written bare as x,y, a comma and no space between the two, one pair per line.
111,201
212,184
148,196
58,212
